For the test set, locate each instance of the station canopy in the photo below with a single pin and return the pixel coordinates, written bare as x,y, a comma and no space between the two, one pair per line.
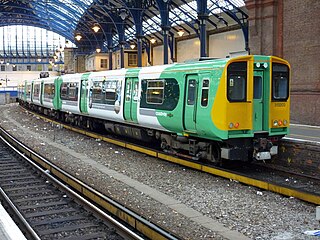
123,20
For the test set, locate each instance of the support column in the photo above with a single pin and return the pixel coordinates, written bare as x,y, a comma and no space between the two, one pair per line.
203,35
110,59
139,48
122,54
165,31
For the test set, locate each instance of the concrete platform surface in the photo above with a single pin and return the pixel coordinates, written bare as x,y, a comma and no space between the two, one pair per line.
8,229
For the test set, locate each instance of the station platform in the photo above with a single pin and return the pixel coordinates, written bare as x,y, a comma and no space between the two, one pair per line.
307,133
8,229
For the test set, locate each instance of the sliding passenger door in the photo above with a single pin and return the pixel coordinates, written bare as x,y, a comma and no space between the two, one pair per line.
190,105
84,93
131,99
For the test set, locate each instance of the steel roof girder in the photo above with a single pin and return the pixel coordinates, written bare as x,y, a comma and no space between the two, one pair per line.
164,13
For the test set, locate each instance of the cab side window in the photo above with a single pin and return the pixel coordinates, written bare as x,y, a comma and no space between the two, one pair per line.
280,82
237,82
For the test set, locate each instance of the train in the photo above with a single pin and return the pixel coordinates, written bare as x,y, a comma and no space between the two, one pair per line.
210,109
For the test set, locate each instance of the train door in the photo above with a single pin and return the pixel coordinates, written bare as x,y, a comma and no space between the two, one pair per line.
84,93
258,101
190,105
131,99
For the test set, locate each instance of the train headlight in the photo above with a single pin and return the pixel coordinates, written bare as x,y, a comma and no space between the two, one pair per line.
285,122
279,122
258,65
265,65
275,123
230,125
236,125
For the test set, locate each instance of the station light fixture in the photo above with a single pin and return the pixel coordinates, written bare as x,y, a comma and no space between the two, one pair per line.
8,63
180,32
96,27
2,61
98,49
123,14
132,45
153,40
78,36
39,59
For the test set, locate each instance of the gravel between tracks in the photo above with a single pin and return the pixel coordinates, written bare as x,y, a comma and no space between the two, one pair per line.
256,214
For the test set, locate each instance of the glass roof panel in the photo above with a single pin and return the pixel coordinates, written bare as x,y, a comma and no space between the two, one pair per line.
188,12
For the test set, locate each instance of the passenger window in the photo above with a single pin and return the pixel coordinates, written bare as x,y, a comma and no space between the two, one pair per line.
191,91
280,82
128,91
135,91
237,82
64,91
205,93
69,91
257,93
155,92
28,91
49,91
162,94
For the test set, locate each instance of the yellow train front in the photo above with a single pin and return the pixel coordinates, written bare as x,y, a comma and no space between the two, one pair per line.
251,107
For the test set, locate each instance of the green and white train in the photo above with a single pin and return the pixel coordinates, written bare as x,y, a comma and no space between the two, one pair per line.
234,109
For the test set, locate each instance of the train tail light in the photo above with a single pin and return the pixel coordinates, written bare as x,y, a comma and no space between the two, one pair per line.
234,125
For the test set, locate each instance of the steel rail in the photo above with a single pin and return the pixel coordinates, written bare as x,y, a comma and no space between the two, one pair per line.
277,188
135,221
22,222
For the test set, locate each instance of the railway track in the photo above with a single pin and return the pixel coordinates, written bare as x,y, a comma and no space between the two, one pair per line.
291,184
45,208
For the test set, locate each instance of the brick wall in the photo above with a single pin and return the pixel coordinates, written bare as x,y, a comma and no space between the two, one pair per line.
290,29
301,47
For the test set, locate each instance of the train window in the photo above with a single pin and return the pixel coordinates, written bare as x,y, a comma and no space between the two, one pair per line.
36,91
97,92
155,90
280,82
128,91
69,91
64,91
165,92
135,91
192,84
49,90
73,92
237,82
28,91
257,92
104,92
205,93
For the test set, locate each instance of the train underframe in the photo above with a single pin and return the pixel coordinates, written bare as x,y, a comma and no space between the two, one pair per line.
261,147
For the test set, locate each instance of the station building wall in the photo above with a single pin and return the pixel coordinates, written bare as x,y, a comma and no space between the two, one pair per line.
220,45
19,76
301,47
290,29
